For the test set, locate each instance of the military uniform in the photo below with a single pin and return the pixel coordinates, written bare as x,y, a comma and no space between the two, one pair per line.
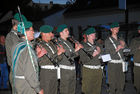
91,70
68,73
48,72
116,76
25,73
11,39
135,44
25,66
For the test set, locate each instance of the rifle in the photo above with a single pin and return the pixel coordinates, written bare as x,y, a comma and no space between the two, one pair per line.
57,42
71,39
38,43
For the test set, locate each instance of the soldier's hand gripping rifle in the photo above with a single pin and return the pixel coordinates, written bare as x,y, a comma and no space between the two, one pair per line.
38,43
71,39
56,42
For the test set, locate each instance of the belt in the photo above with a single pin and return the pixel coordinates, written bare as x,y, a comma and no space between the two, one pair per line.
137,64
116,61
20,77
61,66
67,67
93,67
124,64
52,67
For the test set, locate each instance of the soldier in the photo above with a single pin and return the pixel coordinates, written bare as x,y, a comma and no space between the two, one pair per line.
11,38
91,70
135,49
68,73
25,65
49,62
114,46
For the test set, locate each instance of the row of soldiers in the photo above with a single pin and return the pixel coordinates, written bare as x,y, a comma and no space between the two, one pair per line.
47,66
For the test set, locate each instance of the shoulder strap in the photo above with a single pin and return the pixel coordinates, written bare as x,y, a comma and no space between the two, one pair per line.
65,44
50,47
115,47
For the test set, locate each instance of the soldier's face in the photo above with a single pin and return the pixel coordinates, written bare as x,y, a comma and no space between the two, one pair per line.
65,33
30,34
92,36
47,36
115,30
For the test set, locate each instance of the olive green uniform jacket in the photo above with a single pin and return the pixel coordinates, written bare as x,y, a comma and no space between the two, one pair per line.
10,40
91,77
116,77
68,76
25,72
48,77
135,45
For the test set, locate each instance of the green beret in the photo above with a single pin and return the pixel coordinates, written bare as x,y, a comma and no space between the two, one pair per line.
46,29
60,28
138,28
90,31
17,17
28,24
113,25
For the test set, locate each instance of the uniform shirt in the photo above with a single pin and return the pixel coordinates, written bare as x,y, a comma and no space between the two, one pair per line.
52,53
135,44
88,58
22,65
2,54
110,49
10,40
69,51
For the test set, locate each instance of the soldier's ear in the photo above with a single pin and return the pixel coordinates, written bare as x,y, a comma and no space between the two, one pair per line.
61,33
111,29
87,36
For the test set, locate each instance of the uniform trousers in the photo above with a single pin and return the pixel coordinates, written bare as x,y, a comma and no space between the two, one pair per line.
116,78
68,81
91,80
48,81
137,78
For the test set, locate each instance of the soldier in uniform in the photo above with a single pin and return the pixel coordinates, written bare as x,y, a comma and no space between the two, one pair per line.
49,63
91,70
11,38
135,50
114,46
68,72
24,64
